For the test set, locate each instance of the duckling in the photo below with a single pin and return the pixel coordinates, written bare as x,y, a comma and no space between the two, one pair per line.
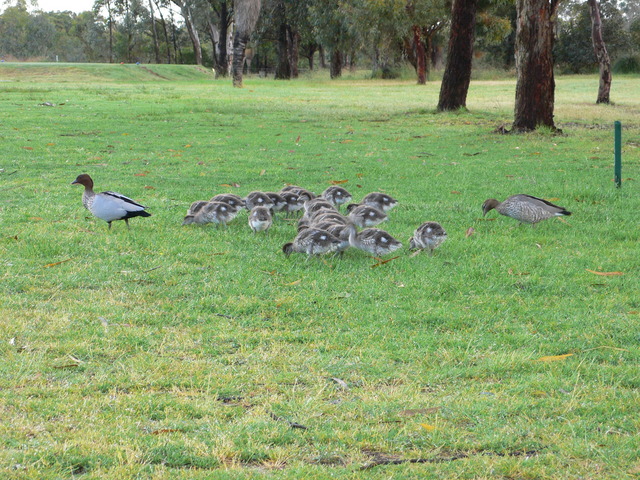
260,219
366,216
294,202
381,201
257,199
525,208
429,235
196,206
108,206
301,192
229,198
327,215
336,195
340,230
279,203
374,241
312,241
219,213
317,203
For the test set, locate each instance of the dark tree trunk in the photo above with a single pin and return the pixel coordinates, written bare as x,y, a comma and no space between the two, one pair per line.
283,71
154,33
219,35
457,73
294,53
336,64
535,86
323,63
421,55
600,50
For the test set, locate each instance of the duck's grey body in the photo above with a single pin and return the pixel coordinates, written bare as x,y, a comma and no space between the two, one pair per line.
219,213
525,208
312,241
374,241
257,199
429,235
366,216
230,199
336,195
381,201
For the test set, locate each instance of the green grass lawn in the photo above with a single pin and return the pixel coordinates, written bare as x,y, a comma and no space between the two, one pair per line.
195,352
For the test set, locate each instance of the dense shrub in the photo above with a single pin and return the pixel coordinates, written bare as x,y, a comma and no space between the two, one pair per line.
627,64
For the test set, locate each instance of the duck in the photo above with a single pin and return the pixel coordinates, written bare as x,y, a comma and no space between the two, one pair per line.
366,216
196,206
257,199
230,199
260,219
374,241
108,206
429,235
295,203
301,192
312,241
381,201
336,196
525,208
279,203
317,203
328,215
219,213
341,231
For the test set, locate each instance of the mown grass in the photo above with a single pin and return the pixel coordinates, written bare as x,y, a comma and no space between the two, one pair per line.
178,352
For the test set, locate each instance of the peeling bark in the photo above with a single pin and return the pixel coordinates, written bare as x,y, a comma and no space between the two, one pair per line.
600,49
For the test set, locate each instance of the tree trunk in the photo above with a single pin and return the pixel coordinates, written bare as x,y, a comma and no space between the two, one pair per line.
602,55
246,17
421,55
154,33
323,63
187,15
535,86
457,73
283,71
336,64
166,34
294,53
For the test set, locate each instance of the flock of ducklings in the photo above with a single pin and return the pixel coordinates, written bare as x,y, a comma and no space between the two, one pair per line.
322,228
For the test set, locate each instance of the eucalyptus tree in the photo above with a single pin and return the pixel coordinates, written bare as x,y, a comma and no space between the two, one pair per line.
426,19
218,24
600,50
333,30
188,9
14,23
535,84
246,13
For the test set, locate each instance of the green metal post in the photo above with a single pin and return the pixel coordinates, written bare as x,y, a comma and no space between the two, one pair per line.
617,166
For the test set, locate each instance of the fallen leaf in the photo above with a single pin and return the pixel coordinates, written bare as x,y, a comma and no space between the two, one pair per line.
554,358
337,182
539,393
298,139
262,172
28,148
187,145
56,263
139,174
470,231
68,365
346,141
293,283
382,262
553,199
455,192
427,427
604,274
149,187
36,219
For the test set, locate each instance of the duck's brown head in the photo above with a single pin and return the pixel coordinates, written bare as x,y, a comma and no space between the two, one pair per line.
84,180
489,205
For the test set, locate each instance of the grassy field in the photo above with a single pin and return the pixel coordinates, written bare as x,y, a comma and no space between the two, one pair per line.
193,352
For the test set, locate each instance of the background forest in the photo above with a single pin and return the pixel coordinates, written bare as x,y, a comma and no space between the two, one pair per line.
298,36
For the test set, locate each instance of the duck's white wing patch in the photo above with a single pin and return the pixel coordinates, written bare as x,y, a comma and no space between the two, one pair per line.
129,204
